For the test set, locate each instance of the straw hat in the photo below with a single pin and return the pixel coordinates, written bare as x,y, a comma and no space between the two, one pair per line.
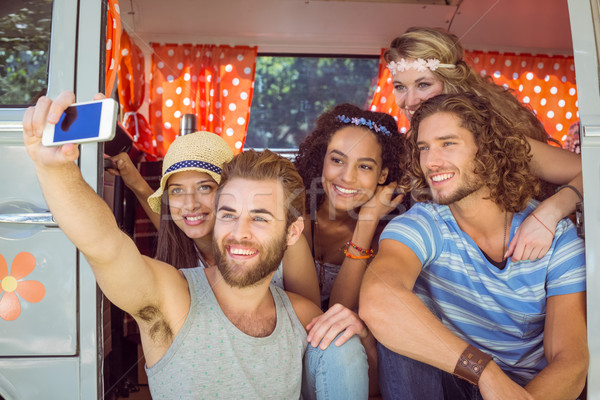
199,151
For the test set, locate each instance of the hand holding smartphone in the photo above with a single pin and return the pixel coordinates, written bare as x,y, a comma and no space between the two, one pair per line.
92,121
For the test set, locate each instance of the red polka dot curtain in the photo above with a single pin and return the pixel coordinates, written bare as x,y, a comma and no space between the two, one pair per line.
546,83
113,39
131,95
214,82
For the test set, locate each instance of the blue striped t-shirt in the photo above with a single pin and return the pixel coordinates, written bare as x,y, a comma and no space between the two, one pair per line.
501,312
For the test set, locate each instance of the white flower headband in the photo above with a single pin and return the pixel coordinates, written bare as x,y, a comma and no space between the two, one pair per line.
420,65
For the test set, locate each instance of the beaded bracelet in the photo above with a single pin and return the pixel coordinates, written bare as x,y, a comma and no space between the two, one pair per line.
352,256
359,249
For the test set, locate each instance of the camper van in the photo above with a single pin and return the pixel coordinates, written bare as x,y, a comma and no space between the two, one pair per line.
258,73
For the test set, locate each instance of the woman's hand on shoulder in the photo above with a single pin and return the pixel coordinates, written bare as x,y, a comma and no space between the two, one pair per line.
533,238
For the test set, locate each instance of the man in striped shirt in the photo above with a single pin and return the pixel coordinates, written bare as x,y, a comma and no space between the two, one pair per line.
441,297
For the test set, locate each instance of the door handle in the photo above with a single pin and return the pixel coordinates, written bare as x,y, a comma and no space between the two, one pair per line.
43,218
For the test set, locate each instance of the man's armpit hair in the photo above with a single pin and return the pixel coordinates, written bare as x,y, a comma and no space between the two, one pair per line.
159,329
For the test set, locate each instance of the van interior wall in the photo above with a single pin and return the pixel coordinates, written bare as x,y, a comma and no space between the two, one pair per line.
349,27
345,27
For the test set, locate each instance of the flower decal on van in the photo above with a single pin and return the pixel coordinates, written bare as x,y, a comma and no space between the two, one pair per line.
11,285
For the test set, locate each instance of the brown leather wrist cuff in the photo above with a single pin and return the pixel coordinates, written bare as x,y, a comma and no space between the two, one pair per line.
471,364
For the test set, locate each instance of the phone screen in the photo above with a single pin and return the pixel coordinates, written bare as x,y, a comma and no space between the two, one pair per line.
79,122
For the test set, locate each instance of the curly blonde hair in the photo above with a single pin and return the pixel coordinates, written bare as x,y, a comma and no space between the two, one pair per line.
428,43
503,153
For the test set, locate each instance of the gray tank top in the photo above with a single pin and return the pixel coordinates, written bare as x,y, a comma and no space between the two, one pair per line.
211,358
277,279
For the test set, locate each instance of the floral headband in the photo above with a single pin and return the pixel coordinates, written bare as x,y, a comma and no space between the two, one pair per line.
364,122
420,65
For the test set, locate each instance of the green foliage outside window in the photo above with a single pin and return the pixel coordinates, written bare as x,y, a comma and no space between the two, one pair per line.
291,92
24,44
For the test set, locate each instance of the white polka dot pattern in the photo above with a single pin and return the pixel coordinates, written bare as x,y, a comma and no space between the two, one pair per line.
545,83
113,40
131,95
213,82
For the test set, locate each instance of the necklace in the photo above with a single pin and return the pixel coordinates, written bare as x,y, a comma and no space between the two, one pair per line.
504,240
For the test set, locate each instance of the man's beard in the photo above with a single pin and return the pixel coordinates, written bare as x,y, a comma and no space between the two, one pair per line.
460,193
470,183
268,261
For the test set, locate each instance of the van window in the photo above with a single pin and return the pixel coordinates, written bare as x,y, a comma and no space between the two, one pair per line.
24,45
290,92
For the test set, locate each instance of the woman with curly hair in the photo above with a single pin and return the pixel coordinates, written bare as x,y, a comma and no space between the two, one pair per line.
426,62
350,165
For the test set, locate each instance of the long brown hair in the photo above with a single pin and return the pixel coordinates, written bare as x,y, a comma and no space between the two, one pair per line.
174,246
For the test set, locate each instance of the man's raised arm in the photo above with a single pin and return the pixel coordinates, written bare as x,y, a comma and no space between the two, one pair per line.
124,275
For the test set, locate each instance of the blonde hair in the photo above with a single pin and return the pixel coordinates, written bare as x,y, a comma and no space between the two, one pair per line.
432,43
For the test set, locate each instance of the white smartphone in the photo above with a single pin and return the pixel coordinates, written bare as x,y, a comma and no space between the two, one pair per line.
92,121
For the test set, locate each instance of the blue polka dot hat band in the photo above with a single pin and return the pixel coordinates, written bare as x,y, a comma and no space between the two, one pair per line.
194,164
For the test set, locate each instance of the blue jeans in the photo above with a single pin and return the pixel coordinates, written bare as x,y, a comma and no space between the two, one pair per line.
336,372
401,377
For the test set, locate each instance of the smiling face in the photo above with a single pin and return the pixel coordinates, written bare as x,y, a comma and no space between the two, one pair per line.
191,201
412,87
446,154
250,233
352,168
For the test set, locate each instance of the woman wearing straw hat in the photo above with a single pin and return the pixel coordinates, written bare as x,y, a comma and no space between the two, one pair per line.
182,209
